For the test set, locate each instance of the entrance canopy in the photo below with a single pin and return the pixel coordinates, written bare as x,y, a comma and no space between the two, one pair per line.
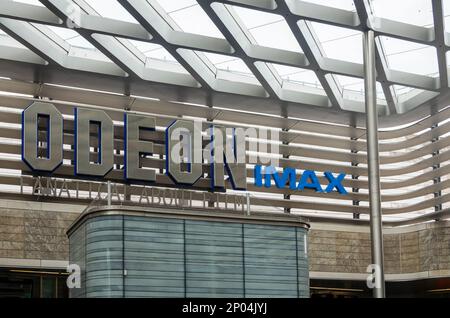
285,56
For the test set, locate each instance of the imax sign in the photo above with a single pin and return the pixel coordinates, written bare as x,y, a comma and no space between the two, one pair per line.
288,179
187,150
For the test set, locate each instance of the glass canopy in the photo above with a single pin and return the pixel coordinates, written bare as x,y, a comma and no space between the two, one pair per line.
270,45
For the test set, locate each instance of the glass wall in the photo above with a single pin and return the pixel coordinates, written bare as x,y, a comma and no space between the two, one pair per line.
214,259
141,256
154,257
33,283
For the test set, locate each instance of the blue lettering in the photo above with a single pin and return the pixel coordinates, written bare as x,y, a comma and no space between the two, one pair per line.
308,179
280,181
314,184
258,175
335,183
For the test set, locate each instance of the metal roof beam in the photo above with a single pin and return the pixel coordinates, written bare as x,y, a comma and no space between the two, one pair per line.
344,18
441,42
27,12
10,50
323,14
235,31
402,31
382,26
90,24
366,18
149,14
134,31
102,33
33,38
121,52
308,41
262,5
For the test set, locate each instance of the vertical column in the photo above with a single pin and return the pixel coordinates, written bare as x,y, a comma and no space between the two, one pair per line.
286,196
437,180
355,203
376,230
209,103
127,92
284,114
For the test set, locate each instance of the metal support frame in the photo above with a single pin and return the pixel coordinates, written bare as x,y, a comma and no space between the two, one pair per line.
209,102
383,73
373,162
441,37
286,156
355,203
437,180
111,37
436,165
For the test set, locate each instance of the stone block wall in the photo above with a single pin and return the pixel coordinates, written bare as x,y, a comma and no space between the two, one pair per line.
34,233
335,251
411,249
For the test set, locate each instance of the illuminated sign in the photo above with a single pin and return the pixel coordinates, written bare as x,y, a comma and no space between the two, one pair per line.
185,154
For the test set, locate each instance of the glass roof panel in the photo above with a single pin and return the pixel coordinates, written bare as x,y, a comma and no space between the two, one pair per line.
401,90
34,2
159,53
272,30
348,5
417,12
154,56
64,33
410,57
75,40
81,42
153,51
193,19
72,37
254,18
229,63
111,9
353,85
340,43
174,5
297,75
447,15
267,29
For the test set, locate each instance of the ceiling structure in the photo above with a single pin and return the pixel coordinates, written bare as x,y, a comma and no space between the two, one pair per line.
306,53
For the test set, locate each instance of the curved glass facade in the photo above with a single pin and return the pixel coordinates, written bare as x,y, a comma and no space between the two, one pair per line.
142,256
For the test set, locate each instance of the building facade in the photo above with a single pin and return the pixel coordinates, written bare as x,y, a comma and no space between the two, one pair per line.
90,95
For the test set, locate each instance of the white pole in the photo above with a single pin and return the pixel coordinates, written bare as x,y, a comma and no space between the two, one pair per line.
376,226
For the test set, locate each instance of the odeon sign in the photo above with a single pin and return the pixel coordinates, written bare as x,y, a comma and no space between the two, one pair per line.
181,136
